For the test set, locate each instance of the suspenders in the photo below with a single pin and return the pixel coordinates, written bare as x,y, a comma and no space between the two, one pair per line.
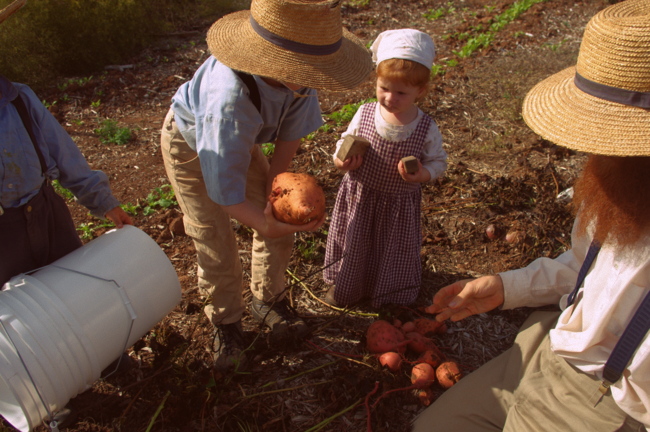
631,337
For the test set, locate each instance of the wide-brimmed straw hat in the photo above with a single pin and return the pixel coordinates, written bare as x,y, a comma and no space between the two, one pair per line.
297,41
601,105
7,11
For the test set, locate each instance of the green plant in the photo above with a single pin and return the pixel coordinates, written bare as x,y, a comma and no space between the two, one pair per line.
87,230
131,209
95,104
110,133
65,193
434,14
345,114
268,149
161,197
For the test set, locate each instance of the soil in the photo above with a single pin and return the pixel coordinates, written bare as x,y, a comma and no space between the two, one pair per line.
500,173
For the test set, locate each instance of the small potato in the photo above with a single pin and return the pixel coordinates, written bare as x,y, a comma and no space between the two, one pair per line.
448,374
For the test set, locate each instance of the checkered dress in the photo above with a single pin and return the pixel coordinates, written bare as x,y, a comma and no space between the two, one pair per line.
375,237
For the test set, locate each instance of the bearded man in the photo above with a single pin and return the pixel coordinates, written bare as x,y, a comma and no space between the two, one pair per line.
587,367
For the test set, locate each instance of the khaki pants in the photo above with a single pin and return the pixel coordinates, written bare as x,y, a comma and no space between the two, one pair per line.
526,389
219,267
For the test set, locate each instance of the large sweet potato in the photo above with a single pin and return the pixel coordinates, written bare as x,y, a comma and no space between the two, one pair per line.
297,199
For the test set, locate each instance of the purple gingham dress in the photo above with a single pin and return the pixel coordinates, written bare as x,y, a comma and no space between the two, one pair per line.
374,239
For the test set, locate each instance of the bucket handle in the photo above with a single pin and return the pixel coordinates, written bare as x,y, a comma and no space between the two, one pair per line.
125,299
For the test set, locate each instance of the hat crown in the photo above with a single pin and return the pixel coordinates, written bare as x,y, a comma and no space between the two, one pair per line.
311,22
615,48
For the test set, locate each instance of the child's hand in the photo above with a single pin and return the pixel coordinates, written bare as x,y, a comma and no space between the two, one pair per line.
350,163
420,176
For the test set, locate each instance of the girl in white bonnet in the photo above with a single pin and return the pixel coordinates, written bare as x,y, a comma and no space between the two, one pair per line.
373,245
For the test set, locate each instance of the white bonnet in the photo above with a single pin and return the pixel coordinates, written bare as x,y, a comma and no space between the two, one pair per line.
407,44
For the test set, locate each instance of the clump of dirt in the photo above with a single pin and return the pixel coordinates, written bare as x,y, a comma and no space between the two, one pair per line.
500,174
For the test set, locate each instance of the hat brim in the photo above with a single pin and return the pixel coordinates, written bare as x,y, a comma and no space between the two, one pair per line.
233,42
11,9
563,114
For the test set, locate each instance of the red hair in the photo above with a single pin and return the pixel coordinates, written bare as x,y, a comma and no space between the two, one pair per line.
613,195
407,71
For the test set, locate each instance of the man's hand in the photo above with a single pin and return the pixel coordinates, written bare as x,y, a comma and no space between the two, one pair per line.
467,297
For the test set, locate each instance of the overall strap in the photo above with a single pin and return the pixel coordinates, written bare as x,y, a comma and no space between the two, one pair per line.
628,343
594,248
252,89
27,122
632,335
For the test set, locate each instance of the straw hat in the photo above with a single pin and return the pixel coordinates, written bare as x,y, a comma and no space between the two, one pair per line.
297,41
602,105
9,10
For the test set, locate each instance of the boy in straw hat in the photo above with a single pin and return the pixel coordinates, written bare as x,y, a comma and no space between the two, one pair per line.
35,149
257,87
586,368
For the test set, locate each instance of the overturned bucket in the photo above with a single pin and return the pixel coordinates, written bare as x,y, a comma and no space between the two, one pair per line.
63,324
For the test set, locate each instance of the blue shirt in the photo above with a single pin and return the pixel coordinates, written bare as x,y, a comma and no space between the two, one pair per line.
217,118
20,170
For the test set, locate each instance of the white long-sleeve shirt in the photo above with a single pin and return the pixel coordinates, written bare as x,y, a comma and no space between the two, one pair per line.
587,331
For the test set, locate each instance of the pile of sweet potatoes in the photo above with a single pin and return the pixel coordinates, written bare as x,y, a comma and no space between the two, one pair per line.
398,345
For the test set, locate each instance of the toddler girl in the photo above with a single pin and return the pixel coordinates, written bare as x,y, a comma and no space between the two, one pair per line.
373,245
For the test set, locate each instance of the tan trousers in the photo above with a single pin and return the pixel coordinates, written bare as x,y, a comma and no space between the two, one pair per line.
526,389
219,267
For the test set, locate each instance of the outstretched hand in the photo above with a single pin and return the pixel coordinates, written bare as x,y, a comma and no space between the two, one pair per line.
467,297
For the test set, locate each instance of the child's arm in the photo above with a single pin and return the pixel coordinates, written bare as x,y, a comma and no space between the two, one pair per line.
353,162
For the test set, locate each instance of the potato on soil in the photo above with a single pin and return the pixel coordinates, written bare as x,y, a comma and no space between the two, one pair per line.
448,374
434,357
382,337
297,199
427,327
426,396
392,360
408,327
423,375
419,343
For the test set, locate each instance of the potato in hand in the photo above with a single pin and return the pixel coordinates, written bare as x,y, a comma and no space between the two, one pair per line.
297,199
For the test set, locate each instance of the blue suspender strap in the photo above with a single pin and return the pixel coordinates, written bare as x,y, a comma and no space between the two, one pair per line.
632,335
594,248
628,343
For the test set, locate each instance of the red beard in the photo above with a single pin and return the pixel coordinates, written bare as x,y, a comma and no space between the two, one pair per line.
613,194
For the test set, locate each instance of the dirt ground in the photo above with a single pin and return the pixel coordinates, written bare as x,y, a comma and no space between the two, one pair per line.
500,173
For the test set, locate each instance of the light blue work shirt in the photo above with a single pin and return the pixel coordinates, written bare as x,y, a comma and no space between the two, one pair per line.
20,170
215,115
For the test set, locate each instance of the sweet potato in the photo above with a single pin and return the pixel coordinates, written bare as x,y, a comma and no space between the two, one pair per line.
448,374
434,357
422,375
382,337
419,343
408,327
427,327
297,199
392,360
426,396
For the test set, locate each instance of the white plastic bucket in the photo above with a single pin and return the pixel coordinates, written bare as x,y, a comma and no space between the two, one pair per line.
63,324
